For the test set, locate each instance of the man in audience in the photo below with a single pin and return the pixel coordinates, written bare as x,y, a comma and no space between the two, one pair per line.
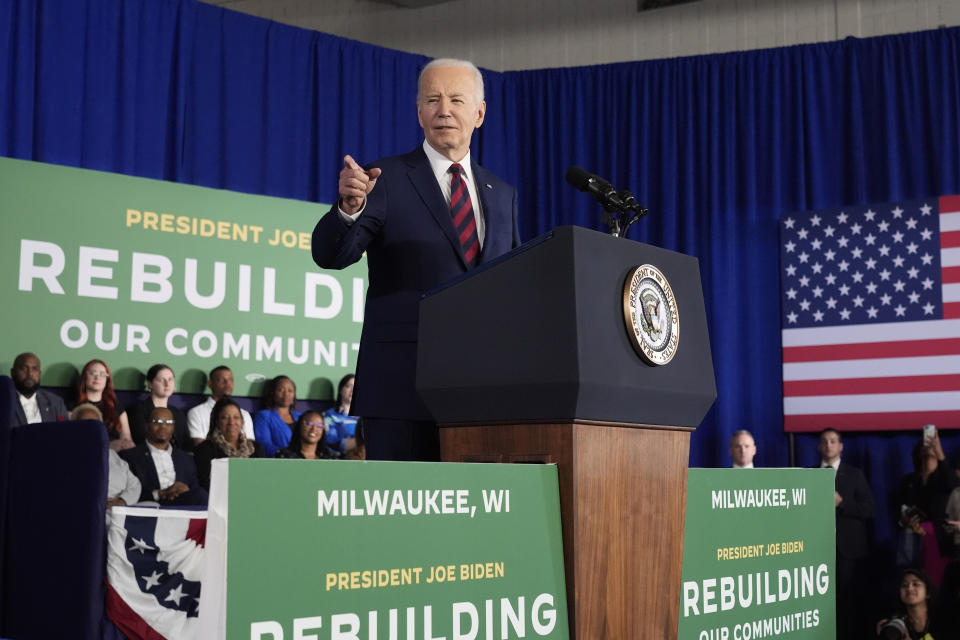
36,405
853,502
167,475
742,449
198,418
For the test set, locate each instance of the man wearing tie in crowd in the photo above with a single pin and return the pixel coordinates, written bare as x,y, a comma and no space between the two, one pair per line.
422,218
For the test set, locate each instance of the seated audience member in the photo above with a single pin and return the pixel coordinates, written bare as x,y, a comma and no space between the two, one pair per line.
36,405
225,439
914,618
160,383
341,426
220,382
273,425
123,488
167,475
742,449
922,496
307,441
96,387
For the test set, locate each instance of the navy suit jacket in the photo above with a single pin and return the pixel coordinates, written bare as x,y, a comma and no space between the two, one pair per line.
142,465
411,246
52,408
855,513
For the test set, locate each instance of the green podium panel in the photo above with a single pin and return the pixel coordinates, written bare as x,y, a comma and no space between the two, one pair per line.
369,550
758,558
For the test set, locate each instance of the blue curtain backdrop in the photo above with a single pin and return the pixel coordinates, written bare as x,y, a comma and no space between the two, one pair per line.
718,147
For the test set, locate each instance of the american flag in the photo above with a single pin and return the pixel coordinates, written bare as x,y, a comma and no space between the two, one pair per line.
154,568
870,316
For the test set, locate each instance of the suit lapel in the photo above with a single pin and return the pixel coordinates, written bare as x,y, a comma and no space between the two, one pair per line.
151,467
21,414
425,183
488,199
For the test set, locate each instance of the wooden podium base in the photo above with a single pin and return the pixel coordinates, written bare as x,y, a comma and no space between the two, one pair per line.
623,490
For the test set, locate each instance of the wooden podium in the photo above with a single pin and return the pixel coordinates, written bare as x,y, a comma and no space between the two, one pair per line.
543,371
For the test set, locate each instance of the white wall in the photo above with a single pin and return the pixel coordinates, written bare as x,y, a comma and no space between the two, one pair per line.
506,35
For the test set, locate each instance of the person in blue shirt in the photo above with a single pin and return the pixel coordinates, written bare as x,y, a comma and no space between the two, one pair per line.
341,426
273,426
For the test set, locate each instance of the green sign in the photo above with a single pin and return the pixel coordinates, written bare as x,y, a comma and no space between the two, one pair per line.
758,555
138,272
338,550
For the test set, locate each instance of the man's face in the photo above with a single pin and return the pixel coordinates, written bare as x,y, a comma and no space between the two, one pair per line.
448,109
830,446
26,374
160,427
742,450
221,384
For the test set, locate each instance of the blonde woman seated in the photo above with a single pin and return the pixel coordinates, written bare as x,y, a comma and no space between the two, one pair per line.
225,439
308,441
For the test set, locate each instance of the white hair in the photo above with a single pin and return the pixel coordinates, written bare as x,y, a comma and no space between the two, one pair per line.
452,62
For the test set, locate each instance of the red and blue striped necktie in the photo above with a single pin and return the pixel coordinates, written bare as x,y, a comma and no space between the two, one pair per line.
461,209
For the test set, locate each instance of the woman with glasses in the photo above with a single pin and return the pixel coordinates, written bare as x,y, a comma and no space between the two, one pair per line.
308,441
96,387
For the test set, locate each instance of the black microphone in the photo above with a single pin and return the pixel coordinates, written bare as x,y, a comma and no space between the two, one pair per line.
596,186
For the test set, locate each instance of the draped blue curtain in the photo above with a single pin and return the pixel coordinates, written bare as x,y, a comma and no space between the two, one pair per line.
717,147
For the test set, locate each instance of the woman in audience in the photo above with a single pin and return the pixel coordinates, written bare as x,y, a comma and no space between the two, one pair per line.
922,496
225,439
341,426
273,426
96,387
160,383
123,487
915,610
307,441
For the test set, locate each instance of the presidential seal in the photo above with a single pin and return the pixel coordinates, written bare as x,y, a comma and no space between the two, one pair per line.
650,313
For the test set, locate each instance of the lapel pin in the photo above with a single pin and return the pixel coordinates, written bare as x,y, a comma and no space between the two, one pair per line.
488,186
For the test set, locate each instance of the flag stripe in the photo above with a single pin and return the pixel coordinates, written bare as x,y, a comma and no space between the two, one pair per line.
862,350
874,367
950,257
950,239
950,203
892,384
949,222
898,420
951,274
873,403
883,332
951,310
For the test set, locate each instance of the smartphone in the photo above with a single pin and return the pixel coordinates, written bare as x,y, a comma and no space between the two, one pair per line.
929,432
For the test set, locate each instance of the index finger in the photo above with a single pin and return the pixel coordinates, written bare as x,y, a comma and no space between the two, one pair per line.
350,163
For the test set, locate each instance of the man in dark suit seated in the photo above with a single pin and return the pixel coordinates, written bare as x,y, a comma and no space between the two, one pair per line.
167,475
36,405
853,501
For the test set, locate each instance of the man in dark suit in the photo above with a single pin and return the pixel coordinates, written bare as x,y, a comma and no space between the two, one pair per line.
36,405
167,475
422,218
853,501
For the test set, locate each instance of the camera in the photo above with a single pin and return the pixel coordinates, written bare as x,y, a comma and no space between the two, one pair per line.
894,629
